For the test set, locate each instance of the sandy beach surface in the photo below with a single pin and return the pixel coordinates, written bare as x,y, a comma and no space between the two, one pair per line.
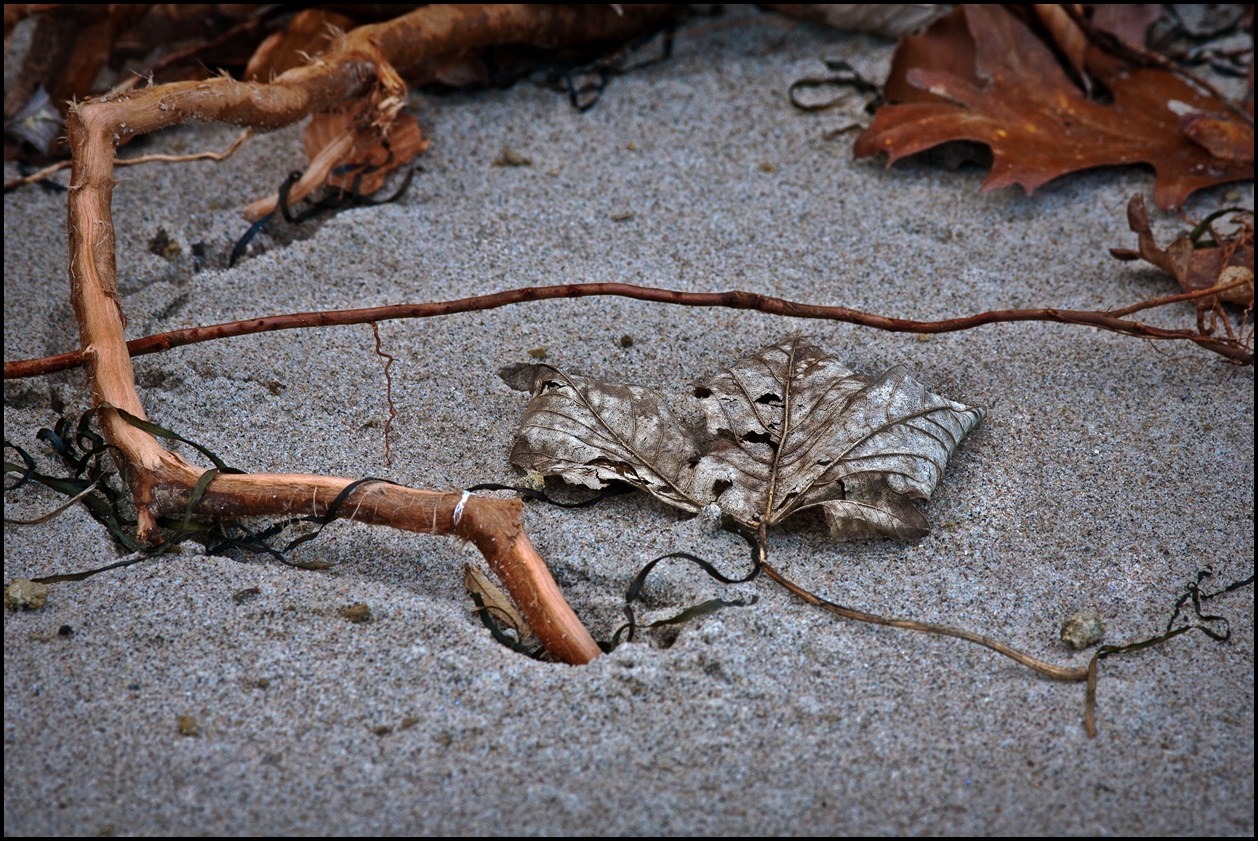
1107,474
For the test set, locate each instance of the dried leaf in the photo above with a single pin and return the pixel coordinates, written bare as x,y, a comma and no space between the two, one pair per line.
945,47
787,428
1225,139
349,151
1038,123
498,603
311,32
372,156
1197,268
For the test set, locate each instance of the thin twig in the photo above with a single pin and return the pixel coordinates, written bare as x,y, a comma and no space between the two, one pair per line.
1182,296
735,299
1066,673
196,156
37,176
388,386
142,159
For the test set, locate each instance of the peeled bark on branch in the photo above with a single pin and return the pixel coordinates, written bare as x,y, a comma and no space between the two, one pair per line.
361,65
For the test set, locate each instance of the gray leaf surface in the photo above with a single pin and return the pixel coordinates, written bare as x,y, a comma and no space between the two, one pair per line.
787,428
592,433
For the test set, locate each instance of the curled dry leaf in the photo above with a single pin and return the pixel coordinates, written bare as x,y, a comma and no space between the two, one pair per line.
1197,268
786,428
348,150
69,47
498,603
373,154
1070,39
311,32
1017,99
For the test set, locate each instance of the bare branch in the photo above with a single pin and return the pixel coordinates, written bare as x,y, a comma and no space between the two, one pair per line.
734,299
142,159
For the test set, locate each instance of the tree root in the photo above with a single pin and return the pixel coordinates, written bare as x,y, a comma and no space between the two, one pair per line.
362,65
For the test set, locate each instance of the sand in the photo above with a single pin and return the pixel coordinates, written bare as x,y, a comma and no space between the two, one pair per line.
1107,473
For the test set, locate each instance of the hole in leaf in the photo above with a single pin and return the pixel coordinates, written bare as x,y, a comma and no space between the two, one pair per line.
761,438
769,400
720,486
702,392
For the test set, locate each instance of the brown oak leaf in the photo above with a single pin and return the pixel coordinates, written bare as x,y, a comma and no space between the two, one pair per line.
1037,122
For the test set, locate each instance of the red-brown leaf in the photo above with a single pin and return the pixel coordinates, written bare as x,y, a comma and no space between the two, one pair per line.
311,32
1195,268
1038,124
372,157
1225,139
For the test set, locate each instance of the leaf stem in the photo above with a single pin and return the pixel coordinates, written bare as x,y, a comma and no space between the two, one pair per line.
1066,673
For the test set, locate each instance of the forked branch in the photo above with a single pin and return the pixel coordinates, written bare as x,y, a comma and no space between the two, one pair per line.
362,65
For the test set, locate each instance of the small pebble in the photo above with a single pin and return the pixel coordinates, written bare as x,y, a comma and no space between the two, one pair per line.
510,157
24,594
1083,629
357,613
244,595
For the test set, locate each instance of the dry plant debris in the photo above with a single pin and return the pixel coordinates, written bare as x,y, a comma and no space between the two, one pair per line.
362,66
1224,262
981,75
787,428
755,458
